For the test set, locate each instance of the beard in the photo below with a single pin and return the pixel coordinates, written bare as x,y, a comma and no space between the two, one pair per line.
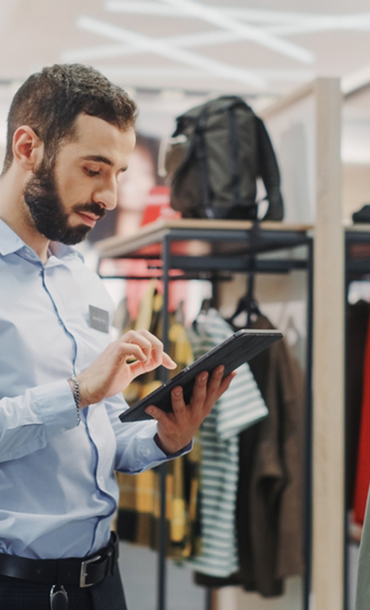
48,212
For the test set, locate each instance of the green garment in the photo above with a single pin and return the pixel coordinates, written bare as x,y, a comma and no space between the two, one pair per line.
363,578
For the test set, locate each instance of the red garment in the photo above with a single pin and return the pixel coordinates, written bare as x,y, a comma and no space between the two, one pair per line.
363,458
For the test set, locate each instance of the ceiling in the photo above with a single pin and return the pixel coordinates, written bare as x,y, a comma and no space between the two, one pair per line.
172,53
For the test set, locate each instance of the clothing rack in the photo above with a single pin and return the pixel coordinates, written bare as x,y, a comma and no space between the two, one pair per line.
229,251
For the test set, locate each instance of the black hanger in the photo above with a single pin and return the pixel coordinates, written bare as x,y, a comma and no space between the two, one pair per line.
206,305
248,303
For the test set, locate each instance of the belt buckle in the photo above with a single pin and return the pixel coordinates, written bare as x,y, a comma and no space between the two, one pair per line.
83,572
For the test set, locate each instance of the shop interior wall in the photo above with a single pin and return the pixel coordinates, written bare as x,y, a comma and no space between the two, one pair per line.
356,187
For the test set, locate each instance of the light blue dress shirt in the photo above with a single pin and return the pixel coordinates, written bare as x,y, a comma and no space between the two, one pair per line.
57,485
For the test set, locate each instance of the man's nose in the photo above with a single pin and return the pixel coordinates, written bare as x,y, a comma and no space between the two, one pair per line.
106,196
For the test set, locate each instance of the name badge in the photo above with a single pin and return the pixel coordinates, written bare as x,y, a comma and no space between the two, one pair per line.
99,319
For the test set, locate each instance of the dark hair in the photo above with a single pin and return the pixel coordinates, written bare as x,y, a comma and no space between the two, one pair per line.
51,100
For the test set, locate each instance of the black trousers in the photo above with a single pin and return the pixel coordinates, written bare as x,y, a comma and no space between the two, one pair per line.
18,594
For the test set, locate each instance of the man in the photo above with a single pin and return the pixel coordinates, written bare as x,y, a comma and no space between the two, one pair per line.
70,135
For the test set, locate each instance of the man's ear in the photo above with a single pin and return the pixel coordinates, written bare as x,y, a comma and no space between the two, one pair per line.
28,149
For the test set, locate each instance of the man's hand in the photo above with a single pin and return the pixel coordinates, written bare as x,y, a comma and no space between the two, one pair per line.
114,369
175,430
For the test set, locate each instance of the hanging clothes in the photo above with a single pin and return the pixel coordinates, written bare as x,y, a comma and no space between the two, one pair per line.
270,486
239,408
138,517
363,458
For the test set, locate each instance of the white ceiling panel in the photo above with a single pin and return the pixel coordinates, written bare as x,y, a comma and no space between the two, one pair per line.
244,35
261,49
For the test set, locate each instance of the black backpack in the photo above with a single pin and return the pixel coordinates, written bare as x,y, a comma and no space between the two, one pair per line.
217,152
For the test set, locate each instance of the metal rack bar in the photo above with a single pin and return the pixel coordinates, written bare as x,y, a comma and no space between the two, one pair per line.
267,240
200,267
162,601
239,264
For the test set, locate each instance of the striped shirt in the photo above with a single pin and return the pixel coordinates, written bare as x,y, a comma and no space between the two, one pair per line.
238,408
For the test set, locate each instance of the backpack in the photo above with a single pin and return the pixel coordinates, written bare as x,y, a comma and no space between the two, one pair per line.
216,154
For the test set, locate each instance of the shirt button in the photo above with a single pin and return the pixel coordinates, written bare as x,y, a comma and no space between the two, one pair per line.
148,452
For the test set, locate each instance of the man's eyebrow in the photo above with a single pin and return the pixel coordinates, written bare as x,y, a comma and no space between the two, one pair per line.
102,159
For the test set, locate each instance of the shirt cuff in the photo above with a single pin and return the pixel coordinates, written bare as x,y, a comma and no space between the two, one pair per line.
170,456
56,406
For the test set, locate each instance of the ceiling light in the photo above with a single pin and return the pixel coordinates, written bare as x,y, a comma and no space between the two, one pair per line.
253,15
153,45
258,35
119,50
323,23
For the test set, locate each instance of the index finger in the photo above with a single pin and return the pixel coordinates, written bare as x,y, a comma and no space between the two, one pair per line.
168,362
157,350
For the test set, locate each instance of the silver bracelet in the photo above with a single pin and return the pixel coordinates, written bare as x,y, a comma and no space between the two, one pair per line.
76,395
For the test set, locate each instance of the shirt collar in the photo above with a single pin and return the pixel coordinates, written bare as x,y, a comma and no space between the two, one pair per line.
9,240
10,243
63,252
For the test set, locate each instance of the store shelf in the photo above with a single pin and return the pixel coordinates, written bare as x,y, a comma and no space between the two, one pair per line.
271,235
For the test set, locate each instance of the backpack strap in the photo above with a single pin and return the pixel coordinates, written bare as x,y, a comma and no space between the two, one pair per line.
234,155
269,172
201,157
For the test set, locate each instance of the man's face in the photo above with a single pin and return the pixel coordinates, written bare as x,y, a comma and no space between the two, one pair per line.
66,200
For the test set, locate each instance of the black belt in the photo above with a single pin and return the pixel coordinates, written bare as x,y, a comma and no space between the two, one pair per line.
83,572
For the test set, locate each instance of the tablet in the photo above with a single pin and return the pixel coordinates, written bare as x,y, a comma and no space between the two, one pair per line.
237,349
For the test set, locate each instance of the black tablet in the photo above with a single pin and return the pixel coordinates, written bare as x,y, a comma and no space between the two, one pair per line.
240,347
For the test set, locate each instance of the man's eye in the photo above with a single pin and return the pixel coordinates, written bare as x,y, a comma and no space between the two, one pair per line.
91,172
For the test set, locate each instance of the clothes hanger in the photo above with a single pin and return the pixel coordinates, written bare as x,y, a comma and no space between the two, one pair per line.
207,304
248,302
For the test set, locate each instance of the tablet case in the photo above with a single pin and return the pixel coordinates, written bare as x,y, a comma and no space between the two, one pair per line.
237,349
